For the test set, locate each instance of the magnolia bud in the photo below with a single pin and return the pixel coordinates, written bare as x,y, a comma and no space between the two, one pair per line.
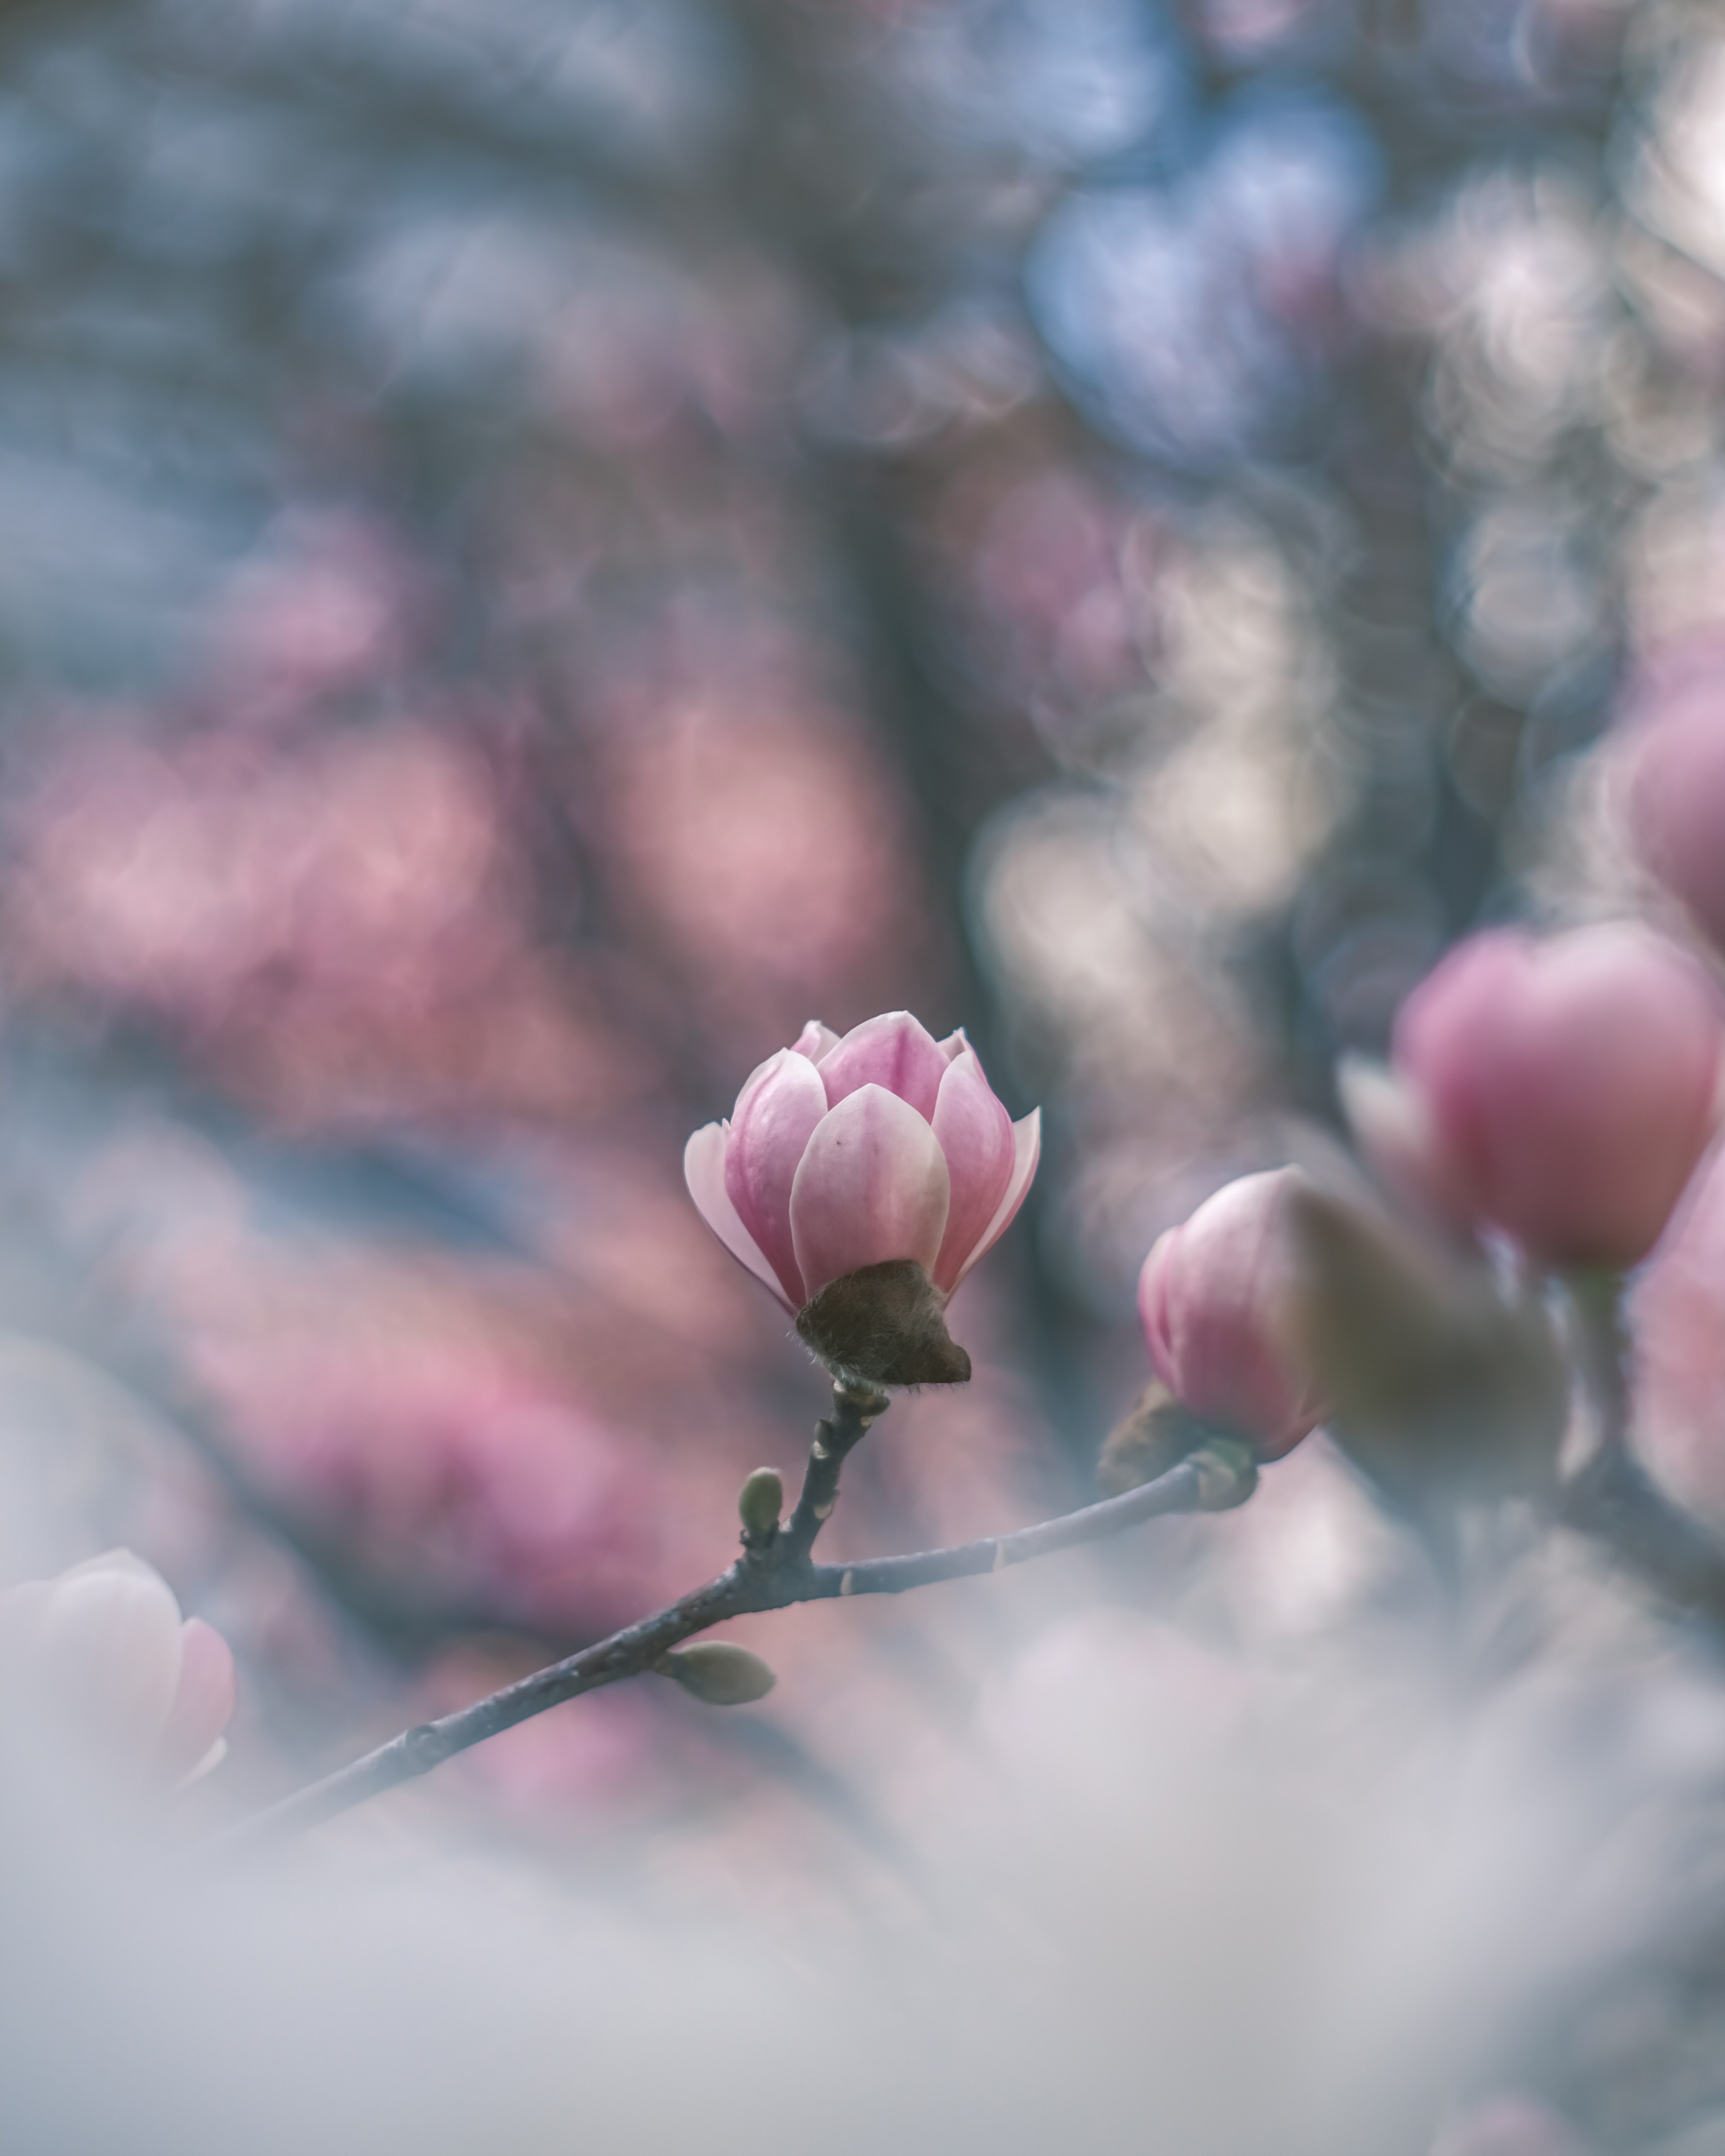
1215,1296
1567,1087
883,1325
758,1504
718,1671
840,1155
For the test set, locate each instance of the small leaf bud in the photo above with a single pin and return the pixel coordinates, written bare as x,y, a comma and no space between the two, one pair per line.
1227,1473
717,1671
758,1505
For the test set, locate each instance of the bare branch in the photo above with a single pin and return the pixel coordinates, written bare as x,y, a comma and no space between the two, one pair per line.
1183,1489
1611,1499
771,1576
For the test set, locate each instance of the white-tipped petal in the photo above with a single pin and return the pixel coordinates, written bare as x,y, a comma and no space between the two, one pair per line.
1027,1151
774,1118
704,1172
976,1135
815,1040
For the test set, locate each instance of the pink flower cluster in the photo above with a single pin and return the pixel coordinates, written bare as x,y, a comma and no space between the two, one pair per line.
842,1153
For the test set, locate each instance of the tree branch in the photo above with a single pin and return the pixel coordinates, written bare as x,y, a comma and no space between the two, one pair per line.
1611,1498
773,1574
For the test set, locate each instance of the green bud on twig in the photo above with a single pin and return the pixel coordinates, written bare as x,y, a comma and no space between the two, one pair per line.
718,1671
1227,1473
758,1505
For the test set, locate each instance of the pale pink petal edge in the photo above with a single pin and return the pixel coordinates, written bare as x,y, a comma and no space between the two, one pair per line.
704,1172
1027,1151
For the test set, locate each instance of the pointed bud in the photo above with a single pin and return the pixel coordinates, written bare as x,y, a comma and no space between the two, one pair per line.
883,1325
759,1503
718,1671
1227,1473
1157,1435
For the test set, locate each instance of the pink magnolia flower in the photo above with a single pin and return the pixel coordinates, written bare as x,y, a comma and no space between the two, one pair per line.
845,1154
1674,800
1567,1087
105,1645
1216,1297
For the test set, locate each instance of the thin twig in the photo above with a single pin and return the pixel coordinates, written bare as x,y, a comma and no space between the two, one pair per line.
1611,1499
772,1576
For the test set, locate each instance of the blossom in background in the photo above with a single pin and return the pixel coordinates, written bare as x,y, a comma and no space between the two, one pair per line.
1507,2125
1217,1298
845,1154
1675,799
1565,1089
105,1643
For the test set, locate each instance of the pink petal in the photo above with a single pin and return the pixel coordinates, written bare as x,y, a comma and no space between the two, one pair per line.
704,1172
1027,1151
872,1185
975,1134
954,1045
203,1705
893,1051
105,1640
775,1117
815,1040
1152,1305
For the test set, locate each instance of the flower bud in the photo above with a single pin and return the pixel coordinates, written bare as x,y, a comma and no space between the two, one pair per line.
1674,800
1216,1298
843,1158
759,1503
104,1646
717,1671
1567,1086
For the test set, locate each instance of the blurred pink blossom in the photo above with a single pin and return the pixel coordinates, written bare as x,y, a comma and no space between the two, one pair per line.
445,1463
845,1153
105,1644
337,925
1567,1087
1675,799
1215,1296
757,839
1507,2126
328,606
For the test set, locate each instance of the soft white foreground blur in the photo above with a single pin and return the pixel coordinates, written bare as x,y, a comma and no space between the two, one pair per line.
1300,1893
